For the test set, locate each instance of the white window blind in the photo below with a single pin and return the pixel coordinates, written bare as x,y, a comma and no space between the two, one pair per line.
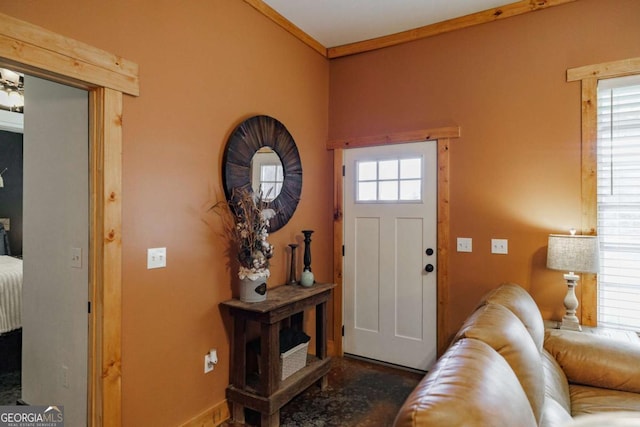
619,202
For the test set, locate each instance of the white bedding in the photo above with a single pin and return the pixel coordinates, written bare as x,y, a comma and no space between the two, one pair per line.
10,293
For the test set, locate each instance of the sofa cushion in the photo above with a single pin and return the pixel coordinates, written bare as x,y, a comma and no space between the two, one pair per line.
470,385
516,299
553,414
594,360
556,385
593,400
499,327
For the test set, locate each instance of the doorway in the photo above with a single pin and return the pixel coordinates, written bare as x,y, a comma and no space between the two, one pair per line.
106,76
390,234
55,288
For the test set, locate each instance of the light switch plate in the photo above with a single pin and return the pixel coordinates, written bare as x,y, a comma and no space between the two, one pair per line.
156,258
499,246
464,244
75,257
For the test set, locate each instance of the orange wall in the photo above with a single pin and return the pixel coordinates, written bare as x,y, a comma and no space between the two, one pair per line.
205,65
515,172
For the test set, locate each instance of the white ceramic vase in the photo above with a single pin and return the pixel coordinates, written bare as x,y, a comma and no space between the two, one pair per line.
253,290
307,279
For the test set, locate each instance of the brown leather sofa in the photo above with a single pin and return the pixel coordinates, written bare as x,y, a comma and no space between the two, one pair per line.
504,369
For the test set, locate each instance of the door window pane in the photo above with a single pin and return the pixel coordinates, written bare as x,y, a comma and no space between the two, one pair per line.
388,190
367,191
410,189
410,168
367,171
389,180
388,169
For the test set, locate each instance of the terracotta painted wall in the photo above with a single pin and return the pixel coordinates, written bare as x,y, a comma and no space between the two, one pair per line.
204,67
515,173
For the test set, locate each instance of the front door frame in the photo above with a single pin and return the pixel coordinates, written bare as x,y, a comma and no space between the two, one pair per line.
443,136
34,50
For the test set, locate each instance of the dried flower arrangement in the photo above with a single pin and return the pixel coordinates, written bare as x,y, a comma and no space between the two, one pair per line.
246,220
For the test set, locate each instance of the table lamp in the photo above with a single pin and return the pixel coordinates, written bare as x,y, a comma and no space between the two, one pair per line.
576,254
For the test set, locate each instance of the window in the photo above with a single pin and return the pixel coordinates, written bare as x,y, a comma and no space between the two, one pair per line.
391,180
618,199
271,179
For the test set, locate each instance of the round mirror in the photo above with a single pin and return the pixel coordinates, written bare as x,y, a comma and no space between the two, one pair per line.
255,139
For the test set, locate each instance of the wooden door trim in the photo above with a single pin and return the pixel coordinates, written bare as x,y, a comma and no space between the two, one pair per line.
443,222
34,50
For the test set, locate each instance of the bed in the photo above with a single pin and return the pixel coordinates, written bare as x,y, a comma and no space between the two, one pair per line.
10,294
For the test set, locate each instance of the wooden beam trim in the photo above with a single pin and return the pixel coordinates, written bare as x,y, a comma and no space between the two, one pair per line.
111,239
489,15
605,70
338,241
443,244
589,189
287,25
396,138
40,52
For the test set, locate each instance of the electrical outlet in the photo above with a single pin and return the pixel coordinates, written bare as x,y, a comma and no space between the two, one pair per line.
208,365
210,360
499,246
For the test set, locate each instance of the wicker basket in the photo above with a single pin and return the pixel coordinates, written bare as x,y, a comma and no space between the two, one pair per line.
293,360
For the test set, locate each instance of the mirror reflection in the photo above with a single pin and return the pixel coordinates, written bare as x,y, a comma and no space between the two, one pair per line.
267,173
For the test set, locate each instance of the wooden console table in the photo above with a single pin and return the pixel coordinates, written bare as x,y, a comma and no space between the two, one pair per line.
283,304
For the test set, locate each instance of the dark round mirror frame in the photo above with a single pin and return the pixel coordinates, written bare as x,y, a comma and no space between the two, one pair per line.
244,142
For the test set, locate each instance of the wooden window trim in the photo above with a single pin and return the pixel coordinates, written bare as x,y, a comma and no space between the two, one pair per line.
443,136
34,50
589,76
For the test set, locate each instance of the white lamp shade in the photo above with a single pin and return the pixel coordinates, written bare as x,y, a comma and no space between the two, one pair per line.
577,254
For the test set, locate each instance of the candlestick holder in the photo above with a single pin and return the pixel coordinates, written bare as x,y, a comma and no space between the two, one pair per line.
292,271
307,249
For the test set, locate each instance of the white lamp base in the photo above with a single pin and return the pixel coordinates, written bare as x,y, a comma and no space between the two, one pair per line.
570,320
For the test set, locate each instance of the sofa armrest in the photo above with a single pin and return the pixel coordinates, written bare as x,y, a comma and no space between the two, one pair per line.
594,360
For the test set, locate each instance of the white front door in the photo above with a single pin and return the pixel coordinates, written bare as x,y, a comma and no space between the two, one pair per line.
390,286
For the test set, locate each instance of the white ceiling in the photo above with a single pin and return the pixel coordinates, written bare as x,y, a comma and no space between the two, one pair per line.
338,22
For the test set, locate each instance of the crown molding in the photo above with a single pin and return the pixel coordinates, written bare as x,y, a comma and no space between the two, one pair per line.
489,15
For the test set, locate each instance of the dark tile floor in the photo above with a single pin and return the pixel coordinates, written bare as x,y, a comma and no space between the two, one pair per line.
9,387
360,394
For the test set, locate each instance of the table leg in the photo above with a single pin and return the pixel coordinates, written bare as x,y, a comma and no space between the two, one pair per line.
321,330
269,358
270,420
237,414
321,339
239,353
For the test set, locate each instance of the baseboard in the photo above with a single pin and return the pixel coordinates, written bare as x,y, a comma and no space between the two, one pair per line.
212,417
